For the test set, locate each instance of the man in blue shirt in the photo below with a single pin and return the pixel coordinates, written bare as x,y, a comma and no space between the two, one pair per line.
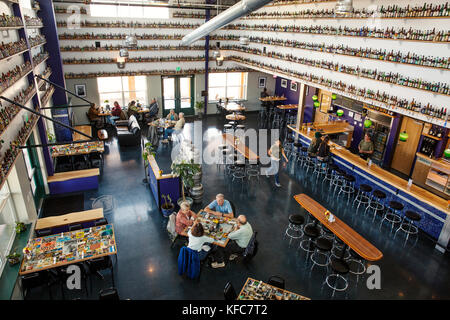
220,207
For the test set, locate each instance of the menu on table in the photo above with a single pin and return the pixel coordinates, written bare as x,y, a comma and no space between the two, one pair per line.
216,228
78,148
68,247
258,290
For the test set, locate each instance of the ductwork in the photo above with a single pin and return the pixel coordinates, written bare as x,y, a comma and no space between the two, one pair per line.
240,9
343,7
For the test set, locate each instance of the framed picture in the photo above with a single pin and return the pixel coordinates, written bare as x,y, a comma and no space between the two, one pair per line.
262,82
80,89
293,86
284,83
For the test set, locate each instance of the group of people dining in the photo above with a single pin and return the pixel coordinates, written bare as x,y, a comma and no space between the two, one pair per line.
176,125
239,238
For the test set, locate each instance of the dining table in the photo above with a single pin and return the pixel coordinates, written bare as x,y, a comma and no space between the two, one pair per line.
258,290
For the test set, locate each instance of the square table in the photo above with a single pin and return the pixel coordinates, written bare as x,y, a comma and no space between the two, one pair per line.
68,248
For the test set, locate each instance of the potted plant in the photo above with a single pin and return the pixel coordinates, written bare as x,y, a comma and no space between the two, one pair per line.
13,258
167,207
186,171
199,107
20,227
51,137
148,150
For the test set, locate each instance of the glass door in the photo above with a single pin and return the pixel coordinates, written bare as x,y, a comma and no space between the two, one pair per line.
178,92
34,172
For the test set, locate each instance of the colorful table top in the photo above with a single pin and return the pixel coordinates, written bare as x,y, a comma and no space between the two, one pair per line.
77,148
216,228
258,290
68,248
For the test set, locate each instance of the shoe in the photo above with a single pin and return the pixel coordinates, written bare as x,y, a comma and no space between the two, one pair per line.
232,257
218,265
277,184
165,141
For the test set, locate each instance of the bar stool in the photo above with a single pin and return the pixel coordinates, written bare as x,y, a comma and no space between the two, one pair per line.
303,155
320,168
227,127
239,172
392,215
233,124
327,233
310,162
407,224
338,180
322,247
376,202
231,167
311,231
223,151
277,120
359,261
338,247
363,196
340,268
287,145
252,171
240,127
329,174
296,149
348,186
294,230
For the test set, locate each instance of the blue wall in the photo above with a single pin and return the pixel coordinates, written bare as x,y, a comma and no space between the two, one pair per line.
292,96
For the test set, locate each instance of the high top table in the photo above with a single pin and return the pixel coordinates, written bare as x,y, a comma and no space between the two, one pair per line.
350,237
240,147
258,290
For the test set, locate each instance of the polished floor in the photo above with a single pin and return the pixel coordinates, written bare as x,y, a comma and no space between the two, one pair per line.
146,267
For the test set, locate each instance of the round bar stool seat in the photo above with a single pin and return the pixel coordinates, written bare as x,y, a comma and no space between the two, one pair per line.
240,126
294,230
303,155
310,162
407,224
340,268
322,247
312,232
239,171
338,180
347,187
337,249
227,127
363,195
392,215
327,233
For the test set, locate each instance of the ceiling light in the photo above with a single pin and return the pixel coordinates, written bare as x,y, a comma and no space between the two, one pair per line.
343,7
131,41
124,53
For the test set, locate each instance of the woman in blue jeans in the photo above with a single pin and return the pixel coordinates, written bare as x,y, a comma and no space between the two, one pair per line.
275,152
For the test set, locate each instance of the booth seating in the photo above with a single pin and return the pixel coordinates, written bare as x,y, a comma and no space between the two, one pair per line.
73,181
128,132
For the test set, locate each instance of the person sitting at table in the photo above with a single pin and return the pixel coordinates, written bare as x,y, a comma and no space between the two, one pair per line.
315,143
323,153
172,115
220,207
239,239
117,112
93,115
133,109
185,217
197,240
365,147
177,128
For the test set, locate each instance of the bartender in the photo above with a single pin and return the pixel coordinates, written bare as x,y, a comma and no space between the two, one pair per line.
365,147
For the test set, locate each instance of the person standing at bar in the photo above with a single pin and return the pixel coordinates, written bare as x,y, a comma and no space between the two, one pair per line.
366,147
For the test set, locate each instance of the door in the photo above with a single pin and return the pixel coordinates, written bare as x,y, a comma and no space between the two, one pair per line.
321,114
34,172
178,94
405,152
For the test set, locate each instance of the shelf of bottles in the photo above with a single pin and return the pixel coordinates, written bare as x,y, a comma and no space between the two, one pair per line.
39,58
8,22
296,2
32,22
139,48
398,57
46,74
47,95
152,73
115,36
134,60
10,156
128,25
11,77
426,11
391,77
364,32
36,41
427,113
59,10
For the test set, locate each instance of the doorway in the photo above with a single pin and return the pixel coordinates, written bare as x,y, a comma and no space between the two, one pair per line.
34,171
178,94
405,151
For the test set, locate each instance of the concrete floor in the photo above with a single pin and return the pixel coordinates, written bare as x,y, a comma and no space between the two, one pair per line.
147,267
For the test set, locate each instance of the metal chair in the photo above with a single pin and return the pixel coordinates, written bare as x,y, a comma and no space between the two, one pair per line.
276,281
294,230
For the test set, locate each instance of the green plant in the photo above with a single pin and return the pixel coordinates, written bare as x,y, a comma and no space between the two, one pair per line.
13,255
20,227
167,204
51,137
186,170
148,150
199,105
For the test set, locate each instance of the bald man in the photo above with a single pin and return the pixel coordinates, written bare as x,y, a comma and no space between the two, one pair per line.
239,239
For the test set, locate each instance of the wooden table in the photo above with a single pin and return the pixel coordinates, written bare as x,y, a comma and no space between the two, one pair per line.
350,237
77,148
273,99
85,129
69,248
233,107
165,125
240,147
288,106
235,117
65,219
258,290
225,224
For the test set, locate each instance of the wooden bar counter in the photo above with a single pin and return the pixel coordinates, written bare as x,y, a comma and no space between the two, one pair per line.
433,209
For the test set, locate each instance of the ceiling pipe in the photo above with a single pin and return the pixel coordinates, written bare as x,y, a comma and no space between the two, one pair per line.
240,9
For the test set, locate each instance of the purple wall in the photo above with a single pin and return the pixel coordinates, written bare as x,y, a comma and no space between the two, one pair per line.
308,113
292,96
390,145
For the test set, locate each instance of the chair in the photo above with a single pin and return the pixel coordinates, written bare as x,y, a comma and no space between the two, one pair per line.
252,248
393,214
233,207
339,268
189,263
43,232
96,160
80,162
407,224
311,231
276,281
322,247
108,294
294,230
35,280
229,293
98,264
64,164
75,226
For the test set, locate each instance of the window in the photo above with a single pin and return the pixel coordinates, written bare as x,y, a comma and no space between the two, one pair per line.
8,219
125,11
231,85
122,89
